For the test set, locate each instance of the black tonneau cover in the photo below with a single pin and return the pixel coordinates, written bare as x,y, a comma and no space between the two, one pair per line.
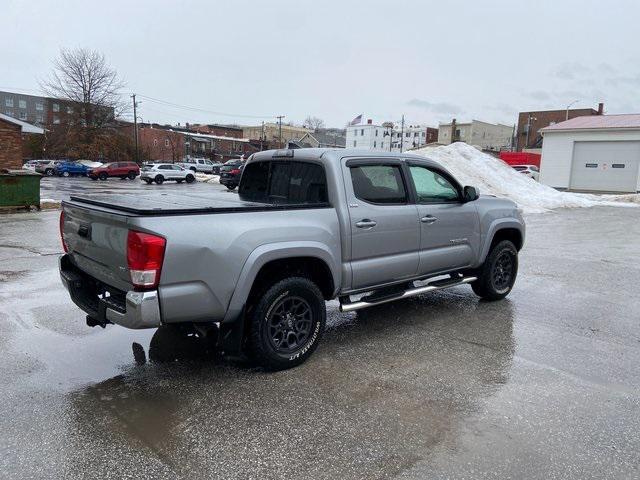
173,204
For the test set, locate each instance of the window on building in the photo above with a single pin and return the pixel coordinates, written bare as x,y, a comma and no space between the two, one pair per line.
22,103
362,132
55,107
374,144
354,143
166,142
23,115
376,132
378,184
39,106
8,102
155,142
69,110
39,118
56,119
408,134
424,134
284,183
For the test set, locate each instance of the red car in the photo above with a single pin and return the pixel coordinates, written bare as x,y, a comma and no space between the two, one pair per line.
123,170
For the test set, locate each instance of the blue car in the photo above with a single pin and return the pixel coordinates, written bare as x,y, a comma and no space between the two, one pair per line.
70,169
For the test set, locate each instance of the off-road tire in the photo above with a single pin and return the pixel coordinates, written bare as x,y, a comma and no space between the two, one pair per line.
159,179
190,178
487,286
260,340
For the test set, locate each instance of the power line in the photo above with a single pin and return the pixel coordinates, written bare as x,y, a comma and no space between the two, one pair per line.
197,109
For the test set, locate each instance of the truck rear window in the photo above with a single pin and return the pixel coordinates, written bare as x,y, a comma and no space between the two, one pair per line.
283,182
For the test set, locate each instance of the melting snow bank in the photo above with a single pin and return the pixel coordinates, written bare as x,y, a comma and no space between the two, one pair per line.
48,203
207,178
494,177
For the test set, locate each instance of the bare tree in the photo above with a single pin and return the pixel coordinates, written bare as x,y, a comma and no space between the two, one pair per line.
314,123
88,84
89,93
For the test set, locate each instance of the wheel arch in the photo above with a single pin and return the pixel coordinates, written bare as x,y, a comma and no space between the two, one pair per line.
503,230
272,262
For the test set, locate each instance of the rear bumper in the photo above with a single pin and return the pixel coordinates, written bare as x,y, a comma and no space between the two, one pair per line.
132,310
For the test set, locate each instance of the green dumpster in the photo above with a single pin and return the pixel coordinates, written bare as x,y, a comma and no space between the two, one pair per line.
19,188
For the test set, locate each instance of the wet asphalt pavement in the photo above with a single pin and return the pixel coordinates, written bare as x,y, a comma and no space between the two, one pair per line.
544,384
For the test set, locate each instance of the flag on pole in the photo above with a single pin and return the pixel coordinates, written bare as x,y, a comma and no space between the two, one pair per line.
356,120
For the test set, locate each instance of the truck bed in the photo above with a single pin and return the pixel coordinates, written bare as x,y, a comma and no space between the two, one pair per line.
174,204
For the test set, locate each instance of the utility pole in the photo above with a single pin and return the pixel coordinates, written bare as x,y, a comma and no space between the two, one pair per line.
135,126
280,117
402,134
262,137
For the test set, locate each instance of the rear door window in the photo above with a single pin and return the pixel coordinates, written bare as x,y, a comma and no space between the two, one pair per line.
381,184
288,183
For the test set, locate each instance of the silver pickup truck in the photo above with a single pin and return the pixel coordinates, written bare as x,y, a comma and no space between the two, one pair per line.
307,226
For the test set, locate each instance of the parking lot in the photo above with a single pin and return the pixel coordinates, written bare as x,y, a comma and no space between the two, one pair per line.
544,384
59,188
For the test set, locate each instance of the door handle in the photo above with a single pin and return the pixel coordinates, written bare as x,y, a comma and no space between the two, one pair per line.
366,223
428,219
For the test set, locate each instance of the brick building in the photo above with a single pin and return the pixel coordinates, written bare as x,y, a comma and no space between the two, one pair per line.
214,129
172,144
535,121
11,138
432,135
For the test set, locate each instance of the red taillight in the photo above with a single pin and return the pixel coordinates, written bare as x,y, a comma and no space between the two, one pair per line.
235,171
145,254
64,245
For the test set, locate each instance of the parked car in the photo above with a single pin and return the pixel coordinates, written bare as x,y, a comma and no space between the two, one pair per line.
307,226
47,167
230,173
71,169
32,164
161,172
203,165
530,171
122,170
90,163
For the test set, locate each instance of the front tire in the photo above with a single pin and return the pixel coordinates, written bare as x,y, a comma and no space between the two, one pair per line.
190,178
132,175
287,324
231,187
65,174
49,172
103,176
498,272
159,179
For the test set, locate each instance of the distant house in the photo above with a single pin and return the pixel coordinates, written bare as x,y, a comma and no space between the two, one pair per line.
483,135
528,134
323,139
12,133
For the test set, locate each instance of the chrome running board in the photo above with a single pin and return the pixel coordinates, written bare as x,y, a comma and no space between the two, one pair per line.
412,292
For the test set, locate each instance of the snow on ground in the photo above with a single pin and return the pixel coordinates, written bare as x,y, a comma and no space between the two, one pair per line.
494,177
207,178
47,203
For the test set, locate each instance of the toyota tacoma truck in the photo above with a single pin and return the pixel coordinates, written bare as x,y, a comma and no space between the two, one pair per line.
306,226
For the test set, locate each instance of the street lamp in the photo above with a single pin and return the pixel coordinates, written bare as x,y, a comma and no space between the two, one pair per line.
526,145
569,106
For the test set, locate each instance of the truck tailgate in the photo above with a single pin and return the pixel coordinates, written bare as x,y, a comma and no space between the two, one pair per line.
97,243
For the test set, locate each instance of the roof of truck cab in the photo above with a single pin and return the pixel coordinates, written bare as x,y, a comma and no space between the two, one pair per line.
331,154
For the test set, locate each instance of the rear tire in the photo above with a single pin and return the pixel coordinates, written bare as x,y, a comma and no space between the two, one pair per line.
132,175
159,179
49,172
189,178
65,174
287,324
231,187
498,273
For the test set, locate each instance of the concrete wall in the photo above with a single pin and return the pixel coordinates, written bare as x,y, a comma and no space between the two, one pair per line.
10,146
557,152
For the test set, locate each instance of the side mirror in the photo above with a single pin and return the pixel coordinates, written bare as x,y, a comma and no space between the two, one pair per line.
470,193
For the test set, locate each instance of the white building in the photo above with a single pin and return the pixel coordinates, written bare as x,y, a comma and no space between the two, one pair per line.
385,138
592,153
483,135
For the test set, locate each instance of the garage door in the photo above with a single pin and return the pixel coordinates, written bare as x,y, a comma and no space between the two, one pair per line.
605,166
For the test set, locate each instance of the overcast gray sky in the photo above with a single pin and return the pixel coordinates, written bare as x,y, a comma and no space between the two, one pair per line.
431,60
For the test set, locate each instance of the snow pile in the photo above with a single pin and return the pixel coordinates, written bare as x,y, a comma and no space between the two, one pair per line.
494,177
207,178
48,203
